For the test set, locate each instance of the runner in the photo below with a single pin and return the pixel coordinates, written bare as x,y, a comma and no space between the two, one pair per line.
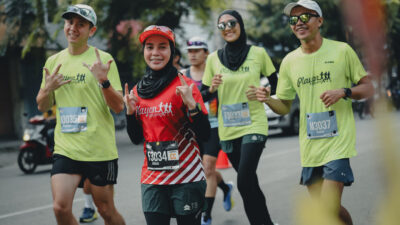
321,72
84,135
242,123
197,53
166,109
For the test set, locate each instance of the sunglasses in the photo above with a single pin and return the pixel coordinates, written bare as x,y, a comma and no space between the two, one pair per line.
305,17
82,11
231,24
160,28
195,43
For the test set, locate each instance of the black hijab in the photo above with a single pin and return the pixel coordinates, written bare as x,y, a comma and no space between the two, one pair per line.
153,82
234,53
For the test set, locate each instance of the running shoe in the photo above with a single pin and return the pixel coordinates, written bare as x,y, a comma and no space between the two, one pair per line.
88,215
204,221
228,201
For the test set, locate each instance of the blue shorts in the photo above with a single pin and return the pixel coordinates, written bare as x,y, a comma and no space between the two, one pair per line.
337,170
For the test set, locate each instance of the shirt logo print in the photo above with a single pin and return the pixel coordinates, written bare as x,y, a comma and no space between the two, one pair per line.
156,111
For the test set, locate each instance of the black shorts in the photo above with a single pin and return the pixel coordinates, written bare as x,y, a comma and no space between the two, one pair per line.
212,146
99,173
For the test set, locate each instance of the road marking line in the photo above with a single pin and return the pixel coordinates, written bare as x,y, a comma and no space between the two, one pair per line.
32,210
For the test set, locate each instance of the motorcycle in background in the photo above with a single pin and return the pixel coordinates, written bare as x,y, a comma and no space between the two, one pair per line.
38,145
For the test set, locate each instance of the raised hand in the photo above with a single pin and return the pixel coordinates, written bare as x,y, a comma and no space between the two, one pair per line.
263,94
185,91
330,97
216,81
251,93
55,80
98,69
130,101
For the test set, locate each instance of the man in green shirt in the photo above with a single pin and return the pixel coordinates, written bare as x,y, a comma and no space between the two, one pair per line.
321,72
84,84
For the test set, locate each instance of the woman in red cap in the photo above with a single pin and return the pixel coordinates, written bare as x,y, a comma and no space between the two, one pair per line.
167,111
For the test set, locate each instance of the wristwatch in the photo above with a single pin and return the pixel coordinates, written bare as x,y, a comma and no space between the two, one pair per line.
105,84
347,93
197,109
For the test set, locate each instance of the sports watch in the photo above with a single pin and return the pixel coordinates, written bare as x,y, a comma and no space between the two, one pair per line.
197,109
105,84
347,93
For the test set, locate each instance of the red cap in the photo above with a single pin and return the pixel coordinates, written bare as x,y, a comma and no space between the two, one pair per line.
157,30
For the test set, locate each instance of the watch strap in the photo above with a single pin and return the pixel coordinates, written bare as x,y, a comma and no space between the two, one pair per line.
105,84
197,109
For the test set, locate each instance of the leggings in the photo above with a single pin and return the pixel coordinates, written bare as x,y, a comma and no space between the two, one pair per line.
244,159
162,219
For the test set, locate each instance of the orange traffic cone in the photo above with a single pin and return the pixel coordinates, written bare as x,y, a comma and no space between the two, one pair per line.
222,161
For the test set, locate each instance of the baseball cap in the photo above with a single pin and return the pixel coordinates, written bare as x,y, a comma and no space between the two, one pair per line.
82,10
308,4
157,30
196,43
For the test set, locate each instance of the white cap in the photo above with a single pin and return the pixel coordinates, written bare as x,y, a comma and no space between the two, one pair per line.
82,10
308,4
196,43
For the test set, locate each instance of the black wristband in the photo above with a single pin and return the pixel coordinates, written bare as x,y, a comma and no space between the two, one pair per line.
347,93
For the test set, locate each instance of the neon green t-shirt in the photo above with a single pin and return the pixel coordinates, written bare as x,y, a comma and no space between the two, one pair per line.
335,65
234,87
97,142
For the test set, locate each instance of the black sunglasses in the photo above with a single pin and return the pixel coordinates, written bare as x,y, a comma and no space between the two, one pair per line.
82,11
305,17
195,43
223,25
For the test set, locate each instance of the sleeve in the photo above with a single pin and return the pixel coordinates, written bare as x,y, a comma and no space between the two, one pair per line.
285,89
113,75
355,70
134,129
268,67
200,123
206,94
208,71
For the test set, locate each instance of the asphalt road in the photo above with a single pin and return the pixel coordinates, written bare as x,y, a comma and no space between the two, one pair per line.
26,199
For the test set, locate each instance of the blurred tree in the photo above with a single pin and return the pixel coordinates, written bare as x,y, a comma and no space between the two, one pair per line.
119,21
268,27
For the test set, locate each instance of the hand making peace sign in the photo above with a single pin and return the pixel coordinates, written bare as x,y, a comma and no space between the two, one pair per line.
54,80
185,91
98,69
130,101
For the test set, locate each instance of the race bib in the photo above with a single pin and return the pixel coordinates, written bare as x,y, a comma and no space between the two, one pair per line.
236,114
162,155
321,125
73,119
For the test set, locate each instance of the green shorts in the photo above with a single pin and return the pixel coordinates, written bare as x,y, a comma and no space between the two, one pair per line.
176,199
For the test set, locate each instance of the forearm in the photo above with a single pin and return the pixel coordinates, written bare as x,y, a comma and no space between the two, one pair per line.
113,99
45,99
364,89
279,106
201,126
206,94
134,129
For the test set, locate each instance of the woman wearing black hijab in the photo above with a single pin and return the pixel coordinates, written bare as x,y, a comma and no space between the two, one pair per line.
166,110
234,72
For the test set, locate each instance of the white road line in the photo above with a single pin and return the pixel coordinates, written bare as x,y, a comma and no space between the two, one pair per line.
32,210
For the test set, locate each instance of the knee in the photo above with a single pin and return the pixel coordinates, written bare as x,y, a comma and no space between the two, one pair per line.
61,210
105,211
209,172
244,185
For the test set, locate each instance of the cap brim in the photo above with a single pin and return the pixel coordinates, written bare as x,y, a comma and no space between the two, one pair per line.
149,33
67,15
196,47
